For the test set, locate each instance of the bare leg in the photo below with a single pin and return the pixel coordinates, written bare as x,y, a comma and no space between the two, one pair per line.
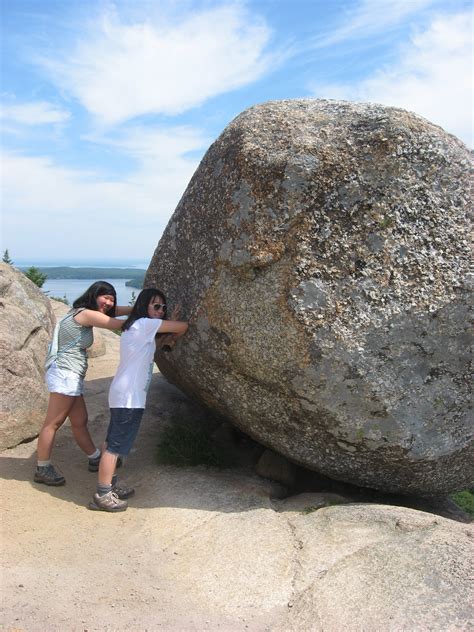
78,417
59,407
107,466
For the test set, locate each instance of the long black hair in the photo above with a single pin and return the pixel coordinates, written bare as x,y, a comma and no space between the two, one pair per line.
90,296
140,309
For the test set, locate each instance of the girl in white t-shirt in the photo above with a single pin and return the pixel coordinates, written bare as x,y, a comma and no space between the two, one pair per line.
127,394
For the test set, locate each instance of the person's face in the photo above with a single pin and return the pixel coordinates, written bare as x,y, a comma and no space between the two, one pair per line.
105,303
156,308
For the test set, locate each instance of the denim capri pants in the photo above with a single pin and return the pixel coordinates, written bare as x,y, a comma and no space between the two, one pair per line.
123,429
64,381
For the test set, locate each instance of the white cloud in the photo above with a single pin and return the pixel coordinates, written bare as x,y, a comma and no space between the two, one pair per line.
126,70
34,113
83,212
433,77
370,17
149,143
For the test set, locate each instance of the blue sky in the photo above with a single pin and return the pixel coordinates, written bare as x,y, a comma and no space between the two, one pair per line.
108,107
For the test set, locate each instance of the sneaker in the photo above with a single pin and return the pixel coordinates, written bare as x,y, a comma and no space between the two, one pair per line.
94,464
108,502
123,491
49,475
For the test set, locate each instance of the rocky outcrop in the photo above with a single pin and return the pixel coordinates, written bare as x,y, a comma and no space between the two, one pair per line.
321,253
374,567
26,326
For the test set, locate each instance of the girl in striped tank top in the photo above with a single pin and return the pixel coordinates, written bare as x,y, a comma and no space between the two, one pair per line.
66,366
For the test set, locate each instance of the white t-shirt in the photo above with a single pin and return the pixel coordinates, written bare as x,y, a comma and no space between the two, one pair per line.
137,348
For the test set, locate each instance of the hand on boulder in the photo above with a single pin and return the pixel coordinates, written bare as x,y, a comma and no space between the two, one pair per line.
165,342
176,313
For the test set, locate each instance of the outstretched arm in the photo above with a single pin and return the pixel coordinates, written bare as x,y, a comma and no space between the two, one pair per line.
166,338
91,318
177,327
123,310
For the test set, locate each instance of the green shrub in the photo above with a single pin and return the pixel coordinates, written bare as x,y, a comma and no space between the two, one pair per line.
188,445
35,275
465,500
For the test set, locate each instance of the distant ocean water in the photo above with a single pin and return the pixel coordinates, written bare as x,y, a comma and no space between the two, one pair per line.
73,288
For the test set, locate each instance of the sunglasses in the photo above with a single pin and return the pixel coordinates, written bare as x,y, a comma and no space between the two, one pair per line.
158,306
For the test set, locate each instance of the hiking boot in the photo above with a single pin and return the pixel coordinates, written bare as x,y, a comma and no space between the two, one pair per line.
94,464
122,490
108,502
49,475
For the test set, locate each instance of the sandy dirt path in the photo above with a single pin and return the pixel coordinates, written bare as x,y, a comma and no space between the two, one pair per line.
190,553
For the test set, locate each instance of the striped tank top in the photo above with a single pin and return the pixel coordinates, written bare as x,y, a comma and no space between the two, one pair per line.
73,358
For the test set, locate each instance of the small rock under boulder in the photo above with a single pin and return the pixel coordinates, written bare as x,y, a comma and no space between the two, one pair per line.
26,327
321,253
275,467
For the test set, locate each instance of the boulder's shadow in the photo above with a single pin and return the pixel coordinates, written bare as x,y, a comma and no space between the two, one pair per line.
232,489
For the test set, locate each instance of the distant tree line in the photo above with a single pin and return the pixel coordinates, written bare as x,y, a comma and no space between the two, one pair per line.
65,272
40,275
138,282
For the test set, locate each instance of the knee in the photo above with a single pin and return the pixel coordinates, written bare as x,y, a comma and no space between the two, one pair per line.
79,422
53,424
111,454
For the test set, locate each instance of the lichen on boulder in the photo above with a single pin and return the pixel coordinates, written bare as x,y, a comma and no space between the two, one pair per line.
321,253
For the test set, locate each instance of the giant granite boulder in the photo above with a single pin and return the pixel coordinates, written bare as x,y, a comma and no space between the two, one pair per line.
320,251
26,326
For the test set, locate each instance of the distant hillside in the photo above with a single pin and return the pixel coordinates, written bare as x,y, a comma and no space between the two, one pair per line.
92,273
137,283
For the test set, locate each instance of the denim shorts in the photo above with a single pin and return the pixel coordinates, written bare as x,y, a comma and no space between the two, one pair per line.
123,429
64,381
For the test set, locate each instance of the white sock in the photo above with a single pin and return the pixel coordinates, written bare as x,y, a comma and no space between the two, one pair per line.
44,463
94,455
